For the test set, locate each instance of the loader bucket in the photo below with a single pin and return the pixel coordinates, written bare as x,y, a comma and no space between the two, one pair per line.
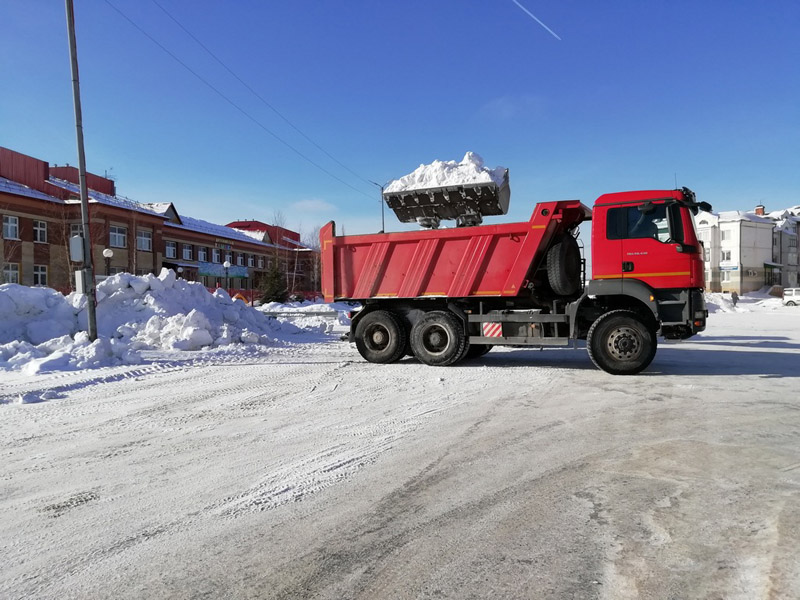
466,204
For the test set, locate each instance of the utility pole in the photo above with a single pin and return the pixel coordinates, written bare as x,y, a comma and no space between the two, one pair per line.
383,224
88,267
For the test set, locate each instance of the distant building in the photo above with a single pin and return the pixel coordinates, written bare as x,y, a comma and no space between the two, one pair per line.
745,251
40,208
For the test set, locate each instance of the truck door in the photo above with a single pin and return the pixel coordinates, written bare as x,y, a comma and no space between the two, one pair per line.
652,235
608,231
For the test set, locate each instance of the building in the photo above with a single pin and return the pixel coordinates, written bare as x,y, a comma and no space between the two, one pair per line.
40,206
745,251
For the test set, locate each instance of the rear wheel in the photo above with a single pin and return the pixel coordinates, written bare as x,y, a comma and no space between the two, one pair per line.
438,338
380,337
620,343
476,351
790,303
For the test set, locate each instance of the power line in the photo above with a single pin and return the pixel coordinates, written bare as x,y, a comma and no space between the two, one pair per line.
232,103
256,94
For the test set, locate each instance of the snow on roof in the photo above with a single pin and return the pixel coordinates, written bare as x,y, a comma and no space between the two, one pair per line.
449,173
706,218
192,224
256,235
158,207
12,187
741,215
100,198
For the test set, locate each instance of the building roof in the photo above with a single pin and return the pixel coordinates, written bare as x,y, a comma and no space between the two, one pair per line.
100,198
18,189
741,215
220,231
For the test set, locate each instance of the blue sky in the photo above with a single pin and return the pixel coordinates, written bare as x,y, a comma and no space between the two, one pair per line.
634,94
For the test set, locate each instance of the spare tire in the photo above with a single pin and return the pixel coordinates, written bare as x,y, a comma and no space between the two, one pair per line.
564,266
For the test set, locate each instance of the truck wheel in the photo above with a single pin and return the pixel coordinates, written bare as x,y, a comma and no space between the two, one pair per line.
380,337
620,343
438,338
564,266
476,351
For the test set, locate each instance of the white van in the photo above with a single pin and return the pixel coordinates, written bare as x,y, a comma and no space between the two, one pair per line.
791,296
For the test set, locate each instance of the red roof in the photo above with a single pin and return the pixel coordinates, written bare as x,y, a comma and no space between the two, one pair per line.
276,233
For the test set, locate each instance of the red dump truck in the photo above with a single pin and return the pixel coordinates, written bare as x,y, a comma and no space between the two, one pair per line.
451,294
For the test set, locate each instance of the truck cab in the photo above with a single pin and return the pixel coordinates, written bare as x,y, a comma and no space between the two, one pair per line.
644,245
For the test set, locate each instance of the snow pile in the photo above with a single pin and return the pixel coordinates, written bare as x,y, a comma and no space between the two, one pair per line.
449,173
753,301
41,330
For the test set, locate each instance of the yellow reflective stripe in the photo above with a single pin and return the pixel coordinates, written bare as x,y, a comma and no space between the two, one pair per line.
633,274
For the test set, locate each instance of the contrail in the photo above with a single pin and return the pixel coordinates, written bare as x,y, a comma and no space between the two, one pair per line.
532,16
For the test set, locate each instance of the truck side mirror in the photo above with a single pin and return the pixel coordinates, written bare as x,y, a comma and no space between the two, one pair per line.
646,208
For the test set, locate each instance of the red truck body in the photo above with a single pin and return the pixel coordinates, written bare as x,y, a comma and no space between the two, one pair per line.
435,293
488,260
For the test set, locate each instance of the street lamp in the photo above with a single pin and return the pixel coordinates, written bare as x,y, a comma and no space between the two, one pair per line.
227,265
107,254
383,226
180,270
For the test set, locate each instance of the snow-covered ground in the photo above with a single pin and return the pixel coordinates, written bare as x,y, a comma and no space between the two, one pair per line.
287,467
41,330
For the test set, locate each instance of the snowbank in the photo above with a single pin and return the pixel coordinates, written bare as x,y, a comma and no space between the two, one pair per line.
41,330
753,301
449,173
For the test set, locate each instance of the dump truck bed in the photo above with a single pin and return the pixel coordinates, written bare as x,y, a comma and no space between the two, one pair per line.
483,261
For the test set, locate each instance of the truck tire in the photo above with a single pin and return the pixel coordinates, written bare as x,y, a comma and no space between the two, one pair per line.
438,338
380,337
621,343
564,266
476,351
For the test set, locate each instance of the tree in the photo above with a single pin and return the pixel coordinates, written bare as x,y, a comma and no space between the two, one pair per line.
272,285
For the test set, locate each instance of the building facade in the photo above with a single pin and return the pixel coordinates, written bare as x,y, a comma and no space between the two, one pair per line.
40,208
746,251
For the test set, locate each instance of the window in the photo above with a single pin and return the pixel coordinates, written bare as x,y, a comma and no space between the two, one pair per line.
725,276
240,260
144,240
75,229
171,249
115,270
10,227
187,252
40,232
725,255
10,273
118,236
215,255
725,235
260,262
251,261
39,274
202,254
645,221
792,242
229,257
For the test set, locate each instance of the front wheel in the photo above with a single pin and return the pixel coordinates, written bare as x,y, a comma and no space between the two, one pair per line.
790,303
620,343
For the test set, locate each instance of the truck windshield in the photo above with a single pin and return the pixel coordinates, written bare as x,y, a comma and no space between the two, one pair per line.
658,221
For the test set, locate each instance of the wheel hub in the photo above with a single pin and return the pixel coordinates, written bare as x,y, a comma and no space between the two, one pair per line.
624,343
435,339
378,338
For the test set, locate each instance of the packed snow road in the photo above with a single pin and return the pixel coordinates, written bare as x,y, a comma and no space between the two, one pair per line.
300,471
